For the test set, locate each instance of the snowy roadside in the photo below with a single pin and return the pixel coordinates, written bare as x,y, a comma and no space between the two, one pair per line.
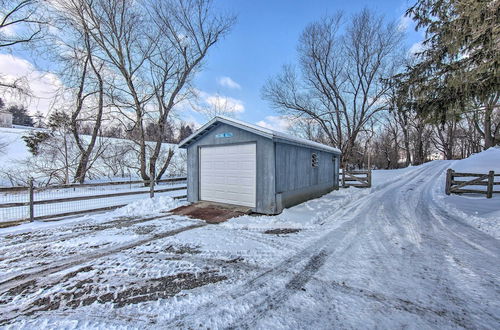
139,208
474,209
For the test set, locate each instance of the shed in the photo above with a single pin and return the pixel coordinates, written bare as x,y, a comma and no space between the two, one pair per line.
233,162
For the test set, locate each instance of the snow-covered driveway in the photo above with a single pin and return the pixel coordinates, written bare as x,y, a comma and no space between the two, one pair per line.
388,257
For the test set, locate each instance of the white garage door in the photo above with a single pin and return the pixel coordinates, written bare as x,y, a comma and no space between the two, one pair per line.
228,174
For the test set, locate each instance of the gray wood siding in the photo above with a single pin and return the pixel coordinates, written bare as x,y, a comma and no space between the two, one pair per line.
285,175
266,195
294,170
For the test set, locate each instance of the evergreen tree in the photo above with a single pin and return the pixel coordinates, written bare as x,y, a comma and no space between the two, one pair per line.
20,115
39,119
184,131
60,121
459,63
34,139
461,47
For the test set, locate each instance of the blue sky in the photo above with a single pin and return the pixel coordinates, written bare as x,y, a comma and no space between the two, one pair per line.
265,37
262,41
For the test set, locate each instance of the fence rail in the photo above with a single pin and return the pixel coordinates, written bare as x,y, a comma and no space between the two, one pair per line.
98,184
18,204
359,178
460,186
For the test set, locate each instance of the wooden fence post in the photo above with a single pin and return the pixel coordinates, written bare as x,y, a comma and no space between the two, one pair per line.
449,178
31,197
369,177
343,177
491,180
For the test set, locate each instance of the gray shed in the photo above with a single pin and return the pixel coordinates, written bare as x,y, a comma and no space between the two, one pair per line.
233,162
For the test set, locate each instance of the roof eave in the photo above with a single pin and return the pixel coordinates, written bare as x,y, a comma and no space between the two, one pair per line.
187,141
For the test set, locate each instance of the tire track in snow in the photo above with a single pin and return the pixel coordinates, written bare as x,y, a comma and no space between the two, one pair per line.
77,231
22,279
252,308
328,244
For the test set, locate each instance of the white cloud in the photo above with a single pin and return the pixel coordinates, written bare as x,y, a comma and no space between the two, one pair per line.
228,82
225,103
43,86
277,123
416,48
404,23
210,105
9,30
191,120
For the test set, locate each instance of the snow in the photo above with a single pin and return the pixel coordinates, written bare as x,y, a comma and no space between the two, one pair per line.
399,255
14,159
16,149
483,162
474,209
148,206
19,213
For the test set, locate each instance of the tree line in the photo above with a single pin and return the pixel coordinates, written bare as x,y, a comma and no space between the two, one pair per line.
126,65
356,87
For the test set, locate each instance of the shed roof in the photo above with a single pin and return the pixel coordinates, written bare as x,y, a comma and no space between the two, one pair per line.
262,131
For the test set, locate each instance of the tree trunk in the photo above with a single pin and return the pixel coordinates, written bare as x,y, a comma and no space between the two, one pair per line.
488,137
165,165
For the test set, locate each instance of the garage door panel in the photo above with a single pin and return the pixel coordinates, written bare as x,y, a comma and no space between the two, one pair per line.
228,174
239,181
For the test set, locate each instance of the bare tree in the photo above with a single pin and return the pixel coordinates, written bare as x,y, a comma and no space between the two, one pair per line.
154,50
82,72
186,29
339,83
119,29
216,105
445,134
21,22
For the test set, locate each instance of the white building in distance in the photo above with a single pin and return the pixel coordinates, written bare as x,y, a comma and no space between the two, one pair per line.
5,119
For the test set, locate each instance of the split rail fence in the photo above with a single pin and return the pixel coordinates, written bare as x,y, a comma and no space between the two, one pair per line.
465,186
359,178
18,204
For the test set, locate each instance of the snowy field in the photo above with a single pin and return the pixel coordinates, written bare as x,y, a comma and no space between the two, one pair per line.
399,255
15,168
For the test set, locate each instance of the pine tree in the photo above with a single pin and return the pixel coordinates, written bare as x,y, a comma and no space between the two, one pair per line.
20,115
184,132
459,63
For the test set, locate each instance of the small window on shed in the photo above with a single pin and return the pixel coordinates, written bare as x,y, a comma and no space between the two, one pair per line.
314,160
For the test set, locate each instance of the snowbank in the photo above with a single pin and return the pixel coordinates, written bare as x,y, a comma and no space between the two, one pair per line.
148,206
139,208
488,160
474,209
303,216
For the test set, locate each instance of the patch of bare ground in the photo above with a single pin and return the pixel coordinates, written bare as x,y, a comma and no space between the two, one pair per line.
183,249
20,290
87,292
281,231
70,262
